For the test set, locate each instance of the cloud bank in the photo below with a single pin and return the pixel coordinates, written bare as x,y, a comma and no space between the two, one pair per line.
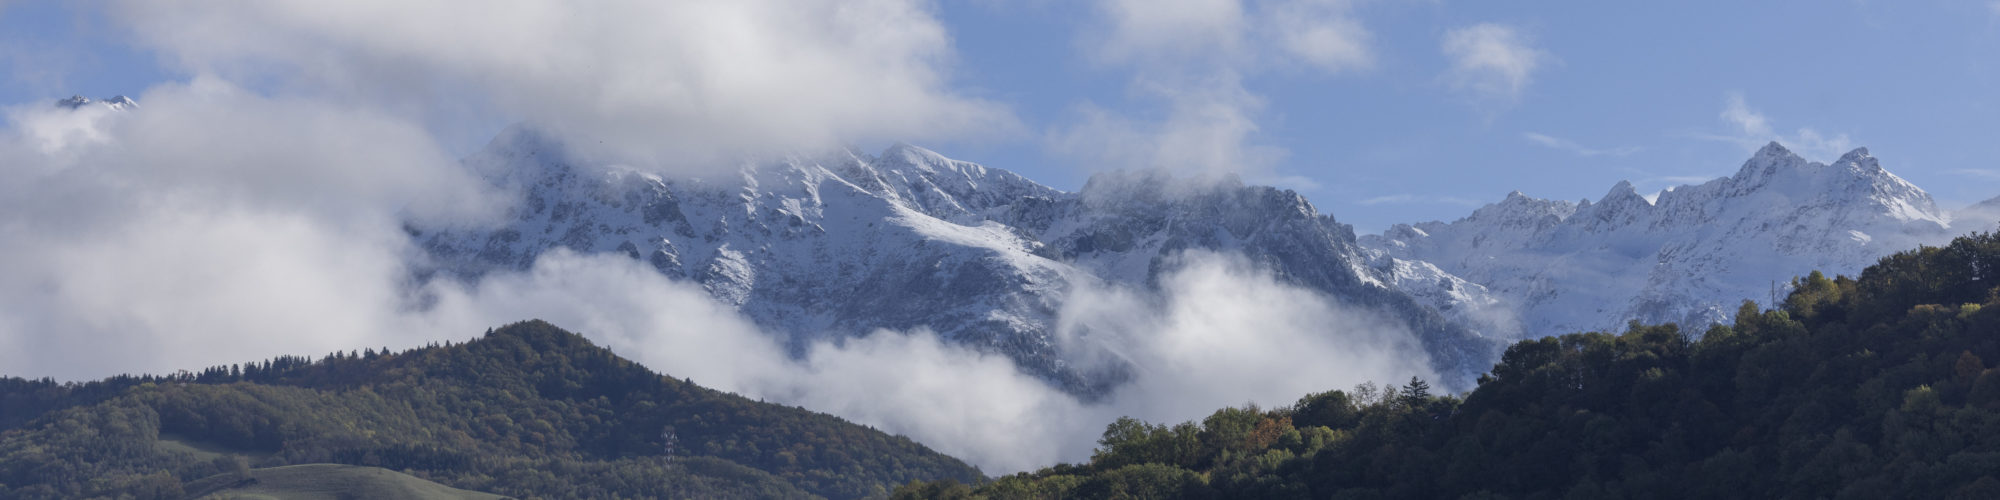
1218,332
679,84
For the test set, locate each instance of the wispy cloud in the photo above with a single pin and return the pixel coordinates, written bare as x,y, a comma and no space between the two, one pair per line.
1985,174
1208,127
1491,61
1232,34
1573,147
1321,34
1415,199
1188,61
1751,129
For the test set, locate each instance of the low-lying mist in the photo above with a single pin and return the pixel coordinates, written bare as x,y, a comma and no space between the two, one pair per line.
1217,333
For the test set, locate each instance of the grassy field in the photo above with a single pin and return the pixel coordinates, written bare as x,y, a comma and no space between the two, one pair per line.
326,482
206,451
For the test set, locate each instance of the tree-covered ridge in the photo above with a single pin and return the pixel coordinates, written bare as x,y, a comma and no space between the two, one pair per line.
528,410
1871,387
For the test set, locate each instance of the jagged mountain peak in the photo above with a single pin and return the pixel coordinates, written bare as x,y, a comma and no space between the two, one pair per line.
913,155
1622,193
1856,180
1620,205
1688,256
1773,151
1521,210
1857,155
1771,161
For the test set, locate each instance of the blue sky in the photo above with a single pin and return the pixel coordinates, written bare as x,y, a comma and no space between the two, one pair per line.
1393,123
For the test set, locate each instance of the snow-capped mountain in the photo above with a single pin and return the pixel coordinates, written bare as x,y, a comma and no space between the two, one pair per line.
1534,267
845,243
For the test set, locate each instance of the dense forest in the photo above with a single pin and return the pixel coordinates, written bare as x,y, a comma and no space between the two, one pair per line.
1870,387
528,410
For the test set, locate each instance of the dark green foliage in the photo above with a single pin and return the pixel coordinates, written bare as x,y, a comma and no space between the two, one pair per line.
1876,387
529,410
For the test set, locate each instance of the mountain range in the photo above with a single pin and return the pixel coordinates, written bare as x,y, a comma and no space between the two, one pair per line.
840,244
845,243
1691,255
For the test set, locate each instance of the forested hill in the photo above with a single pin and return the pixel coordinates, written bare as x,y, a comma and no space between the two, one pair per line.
1874,387
529,410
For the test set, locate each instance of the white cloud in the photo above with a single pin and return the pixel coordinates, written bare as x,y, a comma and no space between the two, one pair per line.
1748,121
1752,130
213,227
1226,330
1190,58
1207,128
1322,34
1167,31
1491,61
1230,34
1574,148
635,81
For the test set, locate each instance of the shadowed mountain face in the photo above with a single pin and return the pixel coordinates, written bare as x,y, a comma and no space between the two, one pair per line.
843,244
529,410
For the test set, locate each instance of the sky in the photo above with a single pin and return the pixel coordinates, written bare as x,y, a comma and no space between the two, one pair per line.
1379,111
254,204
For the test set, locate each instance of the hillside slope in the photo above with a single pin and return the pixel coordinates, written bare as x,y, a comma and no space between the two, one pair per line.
527,410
